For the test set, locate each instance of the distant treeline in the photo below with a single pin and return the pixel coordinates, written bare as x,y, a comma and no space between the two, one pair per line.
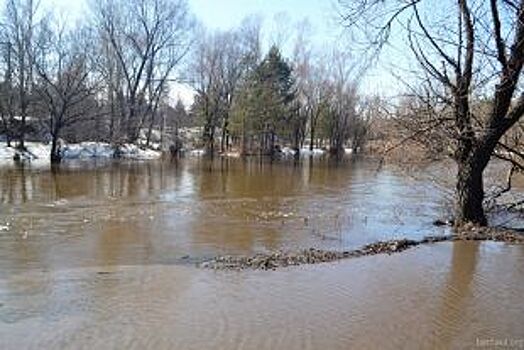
110,76
105,78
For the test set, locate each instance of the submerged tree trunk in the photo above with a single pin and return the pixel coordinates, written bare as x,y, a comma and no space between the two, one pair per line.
224,141
272,144
150,129
312,139
21,133
56,156
209,140
470,193
243,149
7,132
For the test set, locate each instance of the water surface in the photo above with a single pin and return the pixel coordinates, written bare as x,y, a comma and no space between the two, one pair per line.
132,213
446,296
95,256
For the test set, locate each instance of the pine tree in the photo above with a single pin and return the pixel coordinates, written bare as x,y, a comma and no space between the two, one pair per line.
265,106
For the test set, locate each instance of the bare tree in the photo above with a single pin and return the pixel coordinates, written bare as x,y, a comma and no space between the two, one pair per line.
250,37
17,33
236,62
111,74
305,85
63,85
316,91
339,102
7,101
480,47
222,60
368,109
148,39
206,77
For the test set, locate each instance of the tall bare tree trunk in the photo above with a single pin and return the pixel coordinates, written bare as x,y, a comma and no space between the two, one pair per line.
56,156
224,142
312,139
470,192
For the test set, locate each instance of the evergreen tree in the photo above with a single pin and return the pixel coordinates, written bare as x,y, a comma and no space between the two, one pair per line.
265,107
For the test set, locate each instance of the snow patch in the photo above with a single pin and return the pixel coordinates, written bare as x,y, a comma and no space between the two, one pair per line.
6,153
35,152
197,152
287,152
87,150
306,152
130,151
40,153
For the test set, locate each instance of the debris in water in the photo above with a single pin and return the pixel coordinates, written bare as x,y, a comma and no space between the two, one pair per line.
279,259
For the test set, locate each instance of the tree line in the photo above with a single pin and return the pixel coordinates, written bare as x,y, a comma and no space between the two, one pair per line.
257,102
108,78
105,78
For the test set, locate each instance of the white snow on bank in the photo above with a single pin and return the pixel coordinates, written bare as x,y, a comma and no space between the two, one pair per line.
287,152
306,152
39,152
197,152
129,151
232,154
284,152
36,152
6,153
87,150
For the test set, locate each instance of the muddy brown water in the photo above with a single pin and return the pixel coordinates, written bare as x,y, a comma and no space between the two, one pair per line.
98,255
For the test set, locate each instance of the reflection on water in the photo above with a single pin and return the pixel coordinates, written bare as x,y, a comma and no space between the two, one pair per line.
87,214
456,293
425,298
89,259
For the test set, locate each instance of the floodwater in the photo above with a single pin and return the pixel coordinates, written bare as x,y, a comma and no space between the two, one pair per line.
99,255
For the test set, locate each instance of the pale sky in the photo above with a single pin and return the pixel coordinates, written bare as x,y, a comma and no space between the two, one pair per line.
321,14
228,14
279,16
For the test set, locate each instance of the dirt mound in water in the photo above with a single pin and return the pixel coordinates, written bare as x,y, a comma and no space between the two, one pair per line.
280,259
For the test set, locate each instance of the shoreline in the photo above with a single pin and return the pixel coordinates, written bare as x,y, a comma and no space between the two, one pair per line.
281,259
39,152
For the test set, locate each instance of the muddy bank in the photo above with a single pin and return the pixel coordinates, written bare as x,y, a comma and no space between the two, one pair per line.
280,259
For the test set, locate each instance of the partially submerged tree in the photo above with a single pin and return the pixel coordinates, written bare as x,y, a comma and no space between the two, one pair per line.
206,73
7,93
144,40
222,60
266,107
64,84
340,114
462,46
17,35
274,87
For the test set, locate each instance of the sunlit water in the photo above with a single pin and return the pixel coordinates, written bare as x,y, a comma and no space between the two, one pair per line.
97,256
